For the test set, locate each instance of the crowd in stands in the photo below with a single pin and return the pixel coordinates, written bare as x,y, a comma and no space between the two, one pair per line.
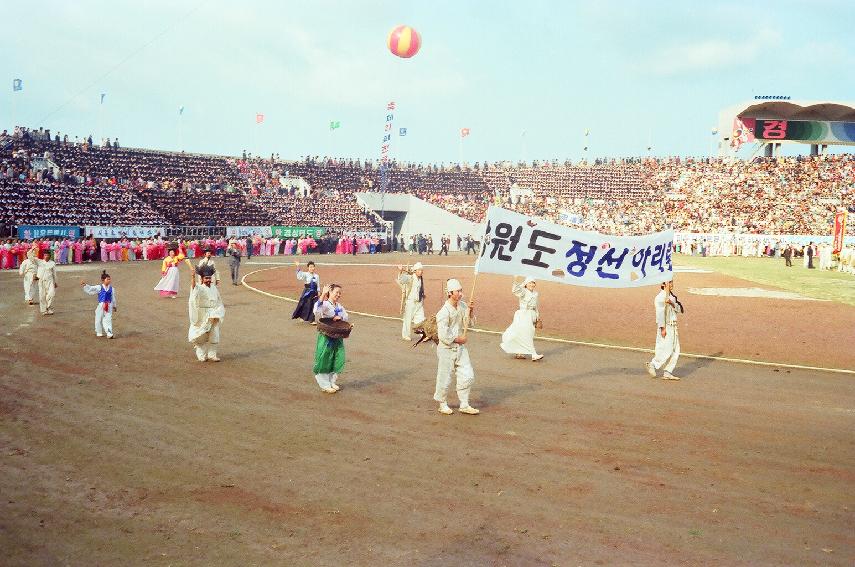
46,180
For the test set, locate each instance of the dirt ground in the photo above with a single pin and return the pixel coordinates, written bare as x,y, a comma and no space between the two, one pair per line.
130,452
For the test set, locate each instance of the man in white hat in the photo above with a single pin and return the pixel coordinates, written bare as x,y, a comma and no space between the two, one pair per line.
451,321
667,349
413,289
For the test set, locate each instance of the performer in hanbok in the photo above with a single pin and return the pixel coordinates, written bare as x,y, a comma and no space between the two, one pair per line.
27,270
206,314
667,349
518,339
106,304
453,358
329,352
413,291
311,285
168,284
46,275
208,260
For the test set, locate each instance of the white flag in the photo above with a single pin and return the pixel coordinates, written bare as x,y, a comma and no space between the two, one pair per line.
514,244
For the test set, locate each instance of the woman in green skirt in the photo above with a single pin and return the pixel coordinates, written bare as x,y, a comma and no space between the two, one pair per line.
329,352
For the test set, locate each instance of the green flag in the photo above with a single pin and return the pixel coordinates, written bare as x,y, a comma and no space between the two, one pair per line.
335,124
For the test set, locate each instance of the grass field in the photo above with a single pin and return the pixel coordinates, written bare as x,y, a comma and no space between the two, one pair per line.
829,285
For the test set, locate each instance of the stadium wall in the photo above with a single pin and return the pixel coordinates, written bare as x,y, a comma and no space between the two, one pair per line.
419,217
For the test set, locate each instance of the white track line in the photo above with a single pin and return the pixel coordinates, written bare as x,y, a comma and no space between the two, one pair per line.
552,339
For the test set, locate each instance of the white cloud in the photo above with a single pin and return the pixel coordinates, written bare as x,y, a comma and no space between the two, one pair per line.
711,54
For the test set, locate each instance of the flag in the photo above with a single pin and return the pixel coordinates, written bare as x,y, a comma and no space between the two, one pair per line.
335,124
587,131
180,110
595,260
402,131
259,118
464,132
102,97
17,85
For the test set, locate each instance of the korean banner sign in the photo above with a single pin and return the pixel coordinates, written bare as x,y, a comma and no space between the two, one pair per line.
514,244
28,232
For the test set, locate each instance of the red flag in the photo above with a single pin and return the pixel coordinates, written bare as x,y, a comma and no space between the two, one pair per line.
259,118
464,132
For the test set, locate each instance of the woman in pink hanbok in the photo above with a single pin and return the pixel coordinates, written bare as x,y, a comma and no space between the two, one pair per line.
6,256
78,252
105,253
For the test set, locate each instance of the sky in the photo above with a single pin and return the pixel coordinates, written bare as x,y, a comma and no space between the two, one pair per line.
527,78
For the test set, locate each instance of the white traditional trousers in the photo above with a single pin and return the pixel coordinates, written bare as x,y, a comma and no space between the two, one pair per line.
104,320
414,313
453,361
667,349
29,281
46,293
206,343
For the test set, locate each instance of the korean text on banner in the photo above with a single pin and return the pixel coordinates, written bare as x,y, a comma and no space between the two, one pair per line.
514,244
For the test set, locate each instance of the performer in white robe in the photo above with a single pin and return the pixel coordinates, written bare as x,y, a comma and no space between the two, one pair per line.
206,313
667,349
106,304
46,274
451,353
518,339
413,290
28,269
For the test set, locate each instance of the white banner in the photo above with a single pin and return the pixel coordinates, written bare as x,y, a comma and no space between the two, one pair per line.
124,231
514,244
243,231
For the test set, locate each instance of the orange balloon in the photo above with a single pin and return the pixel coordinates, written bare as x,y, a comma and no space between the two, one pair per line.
404,41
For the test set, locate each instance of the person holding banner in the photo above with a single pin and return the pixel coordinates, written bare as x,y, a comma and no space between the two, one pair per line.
518,339
667,349
453,358
413,290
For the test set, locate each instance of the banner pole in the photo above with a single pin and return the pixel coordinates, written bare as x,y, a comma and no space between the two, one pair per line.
469,305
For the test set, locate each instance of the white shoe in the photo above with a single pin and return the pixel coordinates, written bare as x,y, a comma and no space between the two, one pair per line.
329,390
213,358
669,376
650,370
469,410
109,336
336,387
406,339
536,357
444,409
99,334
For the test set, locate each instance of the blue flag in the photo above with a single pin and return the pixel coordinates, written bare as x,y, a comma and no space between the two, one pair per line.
402,132
180,110
102,97
17,85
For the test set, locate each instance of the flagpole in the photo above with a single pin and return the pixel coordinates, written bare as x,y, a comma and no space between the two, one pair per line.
469,305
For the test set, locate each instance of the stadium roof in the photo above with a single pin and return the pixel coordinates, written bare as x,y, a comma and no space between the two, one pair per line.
778,109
